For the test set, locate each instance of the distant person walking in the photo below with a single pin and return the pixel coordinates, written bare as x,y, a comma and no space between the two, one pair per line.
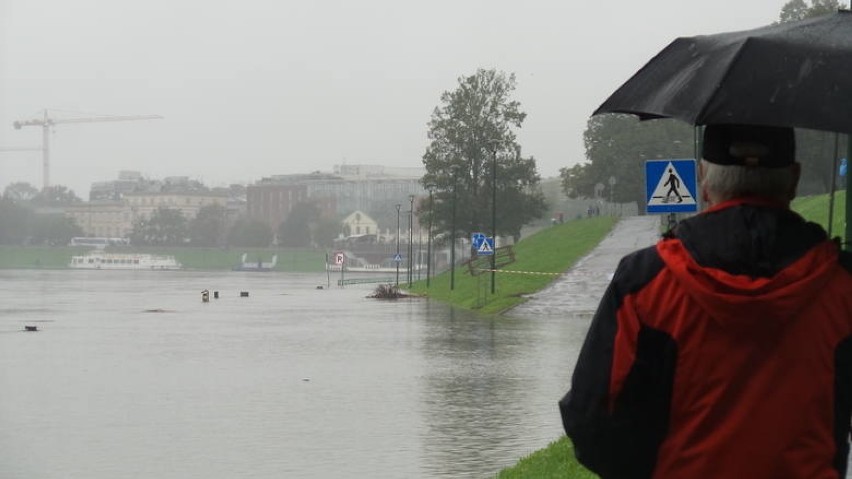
725,350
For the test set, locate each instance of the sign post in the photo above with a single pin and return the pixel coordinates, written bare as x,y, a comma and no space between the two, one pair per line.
670,186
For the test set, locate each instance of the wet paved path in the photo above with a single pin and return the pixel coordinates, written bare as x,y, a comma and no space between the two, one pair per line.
581,287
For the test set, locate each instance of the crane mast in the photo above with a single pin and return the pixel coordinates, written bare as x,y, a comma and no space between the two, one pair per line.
46,122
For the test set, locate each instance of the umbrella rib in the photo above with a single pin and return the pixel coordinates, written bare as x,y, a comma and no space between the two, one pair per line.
721,81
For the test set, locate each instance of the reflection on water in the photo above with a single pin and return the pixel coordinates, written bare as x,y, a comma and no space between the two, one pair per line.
132,375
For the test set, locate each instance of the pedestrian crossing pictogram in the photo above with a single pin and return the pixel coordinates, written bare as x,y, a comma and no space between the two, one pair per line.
671,186
486,248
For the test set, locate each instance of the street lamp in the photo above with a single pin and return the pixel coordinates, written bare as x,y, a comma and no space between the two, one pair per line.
453,234
410,233
494,220
494,142
396,258
429,237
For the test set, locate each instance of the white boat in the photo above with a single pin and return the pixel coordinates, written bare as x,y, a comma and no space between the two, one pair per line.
101,260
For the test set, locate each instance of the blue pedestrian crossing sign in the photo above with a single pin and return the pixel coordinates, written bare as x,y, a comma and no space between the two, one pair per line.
476,240
671,186
486,248
398,258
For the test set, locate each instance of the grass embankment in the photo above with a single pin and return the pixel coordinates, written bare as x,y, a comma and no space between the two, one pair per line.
205,259
815,208
550,251
557,460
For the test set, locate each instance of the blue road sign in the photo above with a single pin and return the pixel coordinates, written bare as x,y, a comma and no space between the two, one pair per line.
486,248
671,186
397,258
476,240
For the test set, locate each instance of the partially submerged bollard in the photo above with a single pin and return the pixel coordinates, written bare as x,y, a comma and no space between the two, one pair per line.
205,296
215,295
244,294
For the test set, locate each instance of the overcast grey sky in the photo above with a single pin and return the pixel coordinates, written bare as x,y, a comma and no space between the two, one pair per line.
254,88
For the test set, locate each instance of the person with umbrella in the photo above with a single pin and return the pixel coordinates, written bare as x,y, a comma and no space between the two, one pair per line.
725,350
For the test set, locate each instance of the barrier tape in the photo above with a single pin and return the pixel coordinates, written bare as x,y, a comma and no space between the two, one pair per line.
519,272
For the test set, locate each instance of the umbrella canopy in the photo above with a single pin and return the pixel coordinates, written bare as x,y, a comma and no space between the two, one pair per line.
796,74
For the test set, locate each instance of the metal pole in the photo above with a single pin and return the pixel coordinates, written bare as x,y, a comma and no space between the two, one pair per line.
410,233
397,244
833,182
429,241
45,152
419,262
847,245
453,240
494,221
848,235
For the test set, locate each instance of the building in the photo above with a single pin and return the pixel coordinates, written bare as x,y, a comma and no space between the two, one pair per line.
106,219
359,223
373,190
143,204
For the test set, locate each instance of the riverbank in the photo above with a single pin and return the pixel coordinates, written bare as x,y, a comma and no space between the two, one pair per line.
538,260
202,259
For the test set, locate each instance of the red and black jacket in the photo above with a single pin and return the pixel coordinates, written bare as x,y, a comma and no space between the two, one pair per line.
725,351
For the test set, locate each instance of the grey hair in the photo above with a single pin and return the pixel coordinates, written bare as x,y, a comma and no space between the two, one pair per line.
726,182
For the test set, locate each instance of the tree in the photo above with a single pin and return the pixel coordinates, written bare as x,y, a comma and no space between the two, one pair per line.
817,151
617,147
54,229
15,221
165,227
56,195
472,139
326,231
20,191
795,10
296,230
250,234
208,228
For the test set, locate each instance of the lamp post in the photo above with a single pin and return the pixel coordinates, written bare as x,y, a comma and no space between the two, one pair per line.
410,235
397,244
453,236
429,237
494,220
494,142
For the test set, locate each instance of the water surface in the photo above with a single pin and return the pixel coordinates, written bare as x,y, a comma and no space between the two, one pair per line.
131,375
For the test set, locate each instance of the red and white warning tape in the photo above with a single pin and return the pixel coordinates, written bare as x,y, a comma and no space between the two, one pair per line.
519,272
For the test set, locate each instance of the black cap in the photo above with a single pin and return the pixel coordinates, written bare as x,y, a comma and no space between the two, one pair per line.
749,145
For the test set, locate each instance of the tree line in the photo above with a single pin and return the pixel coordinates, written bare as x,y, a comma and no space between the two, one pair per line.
29,216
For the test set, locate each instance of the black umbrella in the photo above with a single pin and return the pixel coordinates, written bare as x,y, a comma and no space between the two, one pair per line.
795,74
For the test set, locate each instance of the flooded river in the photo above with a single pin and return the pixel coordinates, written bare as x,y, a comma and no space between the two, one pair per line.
131,375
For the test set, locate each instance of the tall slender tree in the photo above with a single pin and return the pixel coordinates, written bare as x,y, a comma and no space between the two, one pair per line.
472,142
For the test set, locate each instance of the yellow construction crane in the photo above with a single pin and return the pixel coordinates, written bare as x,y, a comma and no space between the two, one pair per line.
46,122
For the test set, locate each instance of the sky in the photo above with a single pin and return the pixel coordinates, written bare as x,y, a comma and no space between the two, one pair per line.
256,88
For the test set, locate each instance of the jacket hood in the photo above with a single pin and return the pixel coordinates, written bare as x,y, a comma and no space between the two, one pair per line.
746,264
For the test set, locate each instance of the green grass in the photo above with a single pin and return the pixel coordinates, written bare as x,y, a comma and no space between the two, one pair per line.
556,461
551,250
815,208
26,257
